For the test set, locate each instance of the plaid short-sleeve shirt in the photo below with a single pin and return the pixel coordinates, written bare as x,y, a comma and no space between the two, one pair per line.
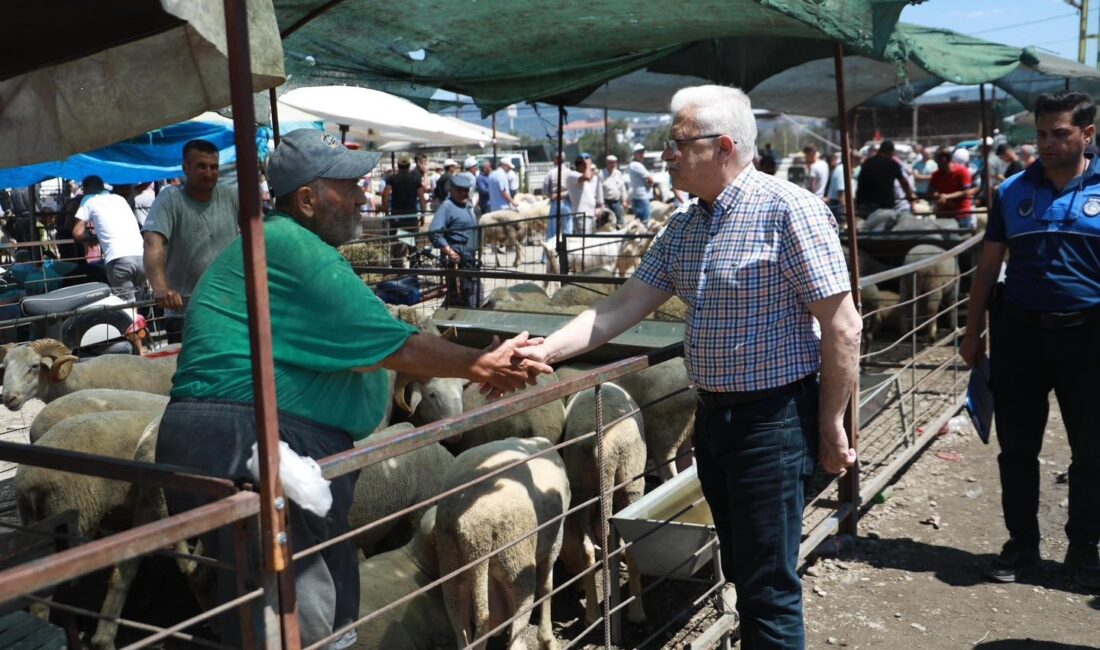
747,267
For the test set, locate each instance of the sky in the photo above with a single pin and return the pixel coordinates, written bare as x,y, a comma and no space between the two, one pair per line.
1052,25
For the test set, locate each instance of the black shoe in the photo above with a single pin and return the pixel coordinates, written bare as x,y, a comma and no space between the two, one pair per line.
1083,562
1013,560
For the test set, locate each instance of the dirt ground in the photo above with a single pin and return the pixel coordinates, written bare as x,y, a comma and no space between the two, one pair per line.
911,584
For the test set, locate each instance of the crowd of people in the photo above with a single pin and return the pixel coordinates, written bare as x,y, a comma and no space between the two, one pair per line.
948,178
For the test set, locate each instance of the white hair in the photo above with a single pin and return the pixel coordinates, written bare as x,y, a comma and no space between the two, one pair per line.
720,109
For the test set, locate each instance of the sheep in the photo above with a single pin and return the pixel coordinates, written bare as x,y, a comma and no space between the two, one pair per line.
544,421
668,404
938,281
46,369
395,484
422,399
422,622
512,228
524,292
624,452
93,400
489,515
659,211
586,294
42,493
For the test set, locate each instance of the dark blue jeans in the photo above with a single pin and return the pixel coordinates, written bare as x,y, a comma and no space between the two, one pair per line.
1028,363
754,461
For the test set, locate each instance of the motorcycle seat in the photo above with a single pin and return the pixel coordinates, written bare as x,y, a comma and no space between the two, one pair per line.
66,299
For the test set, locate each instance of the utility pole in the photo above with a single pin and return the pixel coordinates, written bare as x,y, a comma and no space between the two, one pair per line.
1082,6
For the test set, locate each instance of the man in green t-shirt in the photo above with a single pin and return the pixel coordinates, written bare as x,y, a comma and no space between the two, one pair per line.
331,339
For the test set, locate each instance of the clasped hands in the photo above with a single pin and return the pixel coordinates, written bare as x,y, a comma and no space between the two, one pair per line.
502,368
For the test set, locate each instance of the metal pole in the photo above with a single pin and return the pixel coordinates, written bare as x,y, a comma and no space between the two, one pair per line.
494,140
343,134
1083,34
914,121
274,116
849,484
563,255
274,537
606,134
987,190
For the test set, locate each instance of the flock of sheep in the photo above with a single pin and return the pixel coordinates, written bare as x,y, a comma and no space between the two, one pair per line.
111,405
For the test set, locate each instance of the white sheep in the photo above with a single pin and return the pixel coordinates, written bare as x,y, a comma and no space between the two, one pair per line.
624,452
42,493
935,285
418,624
512,228
524,292
668,405
93,400
46,369
541,421
391,485
488,516
423,399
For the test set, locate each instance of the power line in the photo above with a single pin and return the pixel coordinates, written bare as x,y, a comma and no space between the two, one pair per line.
1025,24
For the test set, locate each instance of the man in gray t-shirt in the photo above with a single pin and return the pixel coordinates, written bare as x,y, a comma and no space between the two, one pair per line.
187,228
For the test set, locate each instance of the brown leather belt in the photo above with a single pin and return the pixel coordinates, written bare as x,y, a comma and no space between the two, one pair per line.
726,400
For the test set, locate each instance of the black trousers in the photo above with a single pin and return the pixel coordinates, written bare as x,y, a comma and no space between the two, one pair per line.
1028,363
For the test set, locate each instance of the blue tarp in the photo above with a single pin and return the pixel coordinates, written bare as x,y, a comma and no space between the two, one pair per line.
152,156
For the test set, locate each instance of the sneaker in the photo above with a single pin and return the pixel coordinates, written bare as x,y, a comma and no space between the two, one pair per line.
1013,560
1083,562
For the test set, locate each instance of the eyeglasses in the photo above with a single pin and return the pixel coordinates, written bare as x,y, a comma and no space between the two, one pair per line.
672,145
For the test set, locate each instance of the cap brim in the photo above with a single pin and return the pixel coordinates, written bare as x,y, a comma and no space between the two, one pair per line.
352,164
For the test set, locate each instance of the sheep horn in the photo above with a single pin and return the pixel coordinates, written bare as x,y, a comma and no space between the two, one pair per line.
399,393
450,334
50,348
416,395
4,350
62,367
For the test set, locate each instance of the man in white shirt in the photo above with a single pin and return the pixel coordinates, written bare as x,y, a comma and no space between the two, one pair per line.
614,188
585,192
119,236
641,183
817,172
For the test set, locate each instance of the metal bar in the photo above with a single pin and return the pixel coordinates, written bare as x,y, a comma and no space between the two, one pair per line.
353,459
718,631
563,255
849,484
844,512
605,514
983,111
274,116
210,613
500,275
606,134
242,574
272,521
68,564
886,474
906,269
165,476
495,140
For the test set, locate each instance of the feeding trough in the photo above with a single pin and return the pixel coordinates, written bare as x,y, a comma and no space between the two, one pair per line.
668,527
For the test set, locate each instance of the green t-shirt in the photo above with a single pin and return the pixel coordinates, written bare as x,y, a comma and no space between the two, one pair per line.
324,322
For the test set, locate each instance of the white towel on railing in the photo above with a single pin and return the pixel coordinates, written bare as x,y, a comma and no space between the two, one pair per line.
301,478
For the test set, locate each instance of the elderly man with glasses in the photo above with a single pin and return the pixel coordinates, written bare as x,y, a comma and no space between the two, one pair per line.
759,264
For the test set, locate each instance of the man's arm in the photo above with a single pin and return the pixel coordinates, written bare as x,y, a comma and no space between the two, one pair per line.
79,230
989,268
599,324
840,330
498,367
386,191
155,257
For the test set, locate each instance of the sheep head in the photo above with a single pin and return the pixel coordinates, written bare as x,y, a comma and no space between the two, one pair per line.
57,359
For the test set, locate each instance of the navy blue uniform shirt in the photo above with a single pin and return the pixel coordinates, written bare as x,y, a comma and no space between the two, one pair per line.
454,225
1053,239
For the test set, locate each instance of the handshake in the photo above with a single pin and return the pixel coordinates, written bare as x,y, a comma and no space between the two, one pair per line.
509,366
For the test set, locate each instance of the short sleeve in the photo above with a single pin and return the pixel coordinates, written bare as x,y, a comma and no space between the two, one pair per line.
995,226
811,258
83,213
351,327
654,267
160,219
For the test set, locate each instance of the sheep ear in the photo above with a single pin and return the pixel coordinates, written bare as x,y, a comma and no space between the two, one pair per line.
4,350
61,367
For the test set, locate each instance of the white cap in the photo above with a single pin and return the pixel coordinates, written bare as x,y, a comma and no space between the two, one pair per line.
469,162
638,147
450,162
611,158
961,156
505,161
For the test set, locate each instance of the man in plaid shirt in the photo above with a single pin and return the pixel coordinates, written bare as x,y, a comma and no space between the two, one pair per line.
758,262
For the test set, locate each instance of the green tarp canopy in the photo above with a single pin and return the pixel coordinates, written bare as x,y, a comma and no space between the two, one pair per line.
931,57
500,52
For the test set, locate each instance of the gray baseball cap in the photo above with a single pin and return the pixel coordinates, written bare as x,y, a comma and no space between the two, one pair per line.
308,154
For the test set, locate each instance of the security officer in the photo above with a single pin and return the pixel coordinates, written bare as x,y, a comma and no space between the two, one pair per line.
453,232
1044,329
